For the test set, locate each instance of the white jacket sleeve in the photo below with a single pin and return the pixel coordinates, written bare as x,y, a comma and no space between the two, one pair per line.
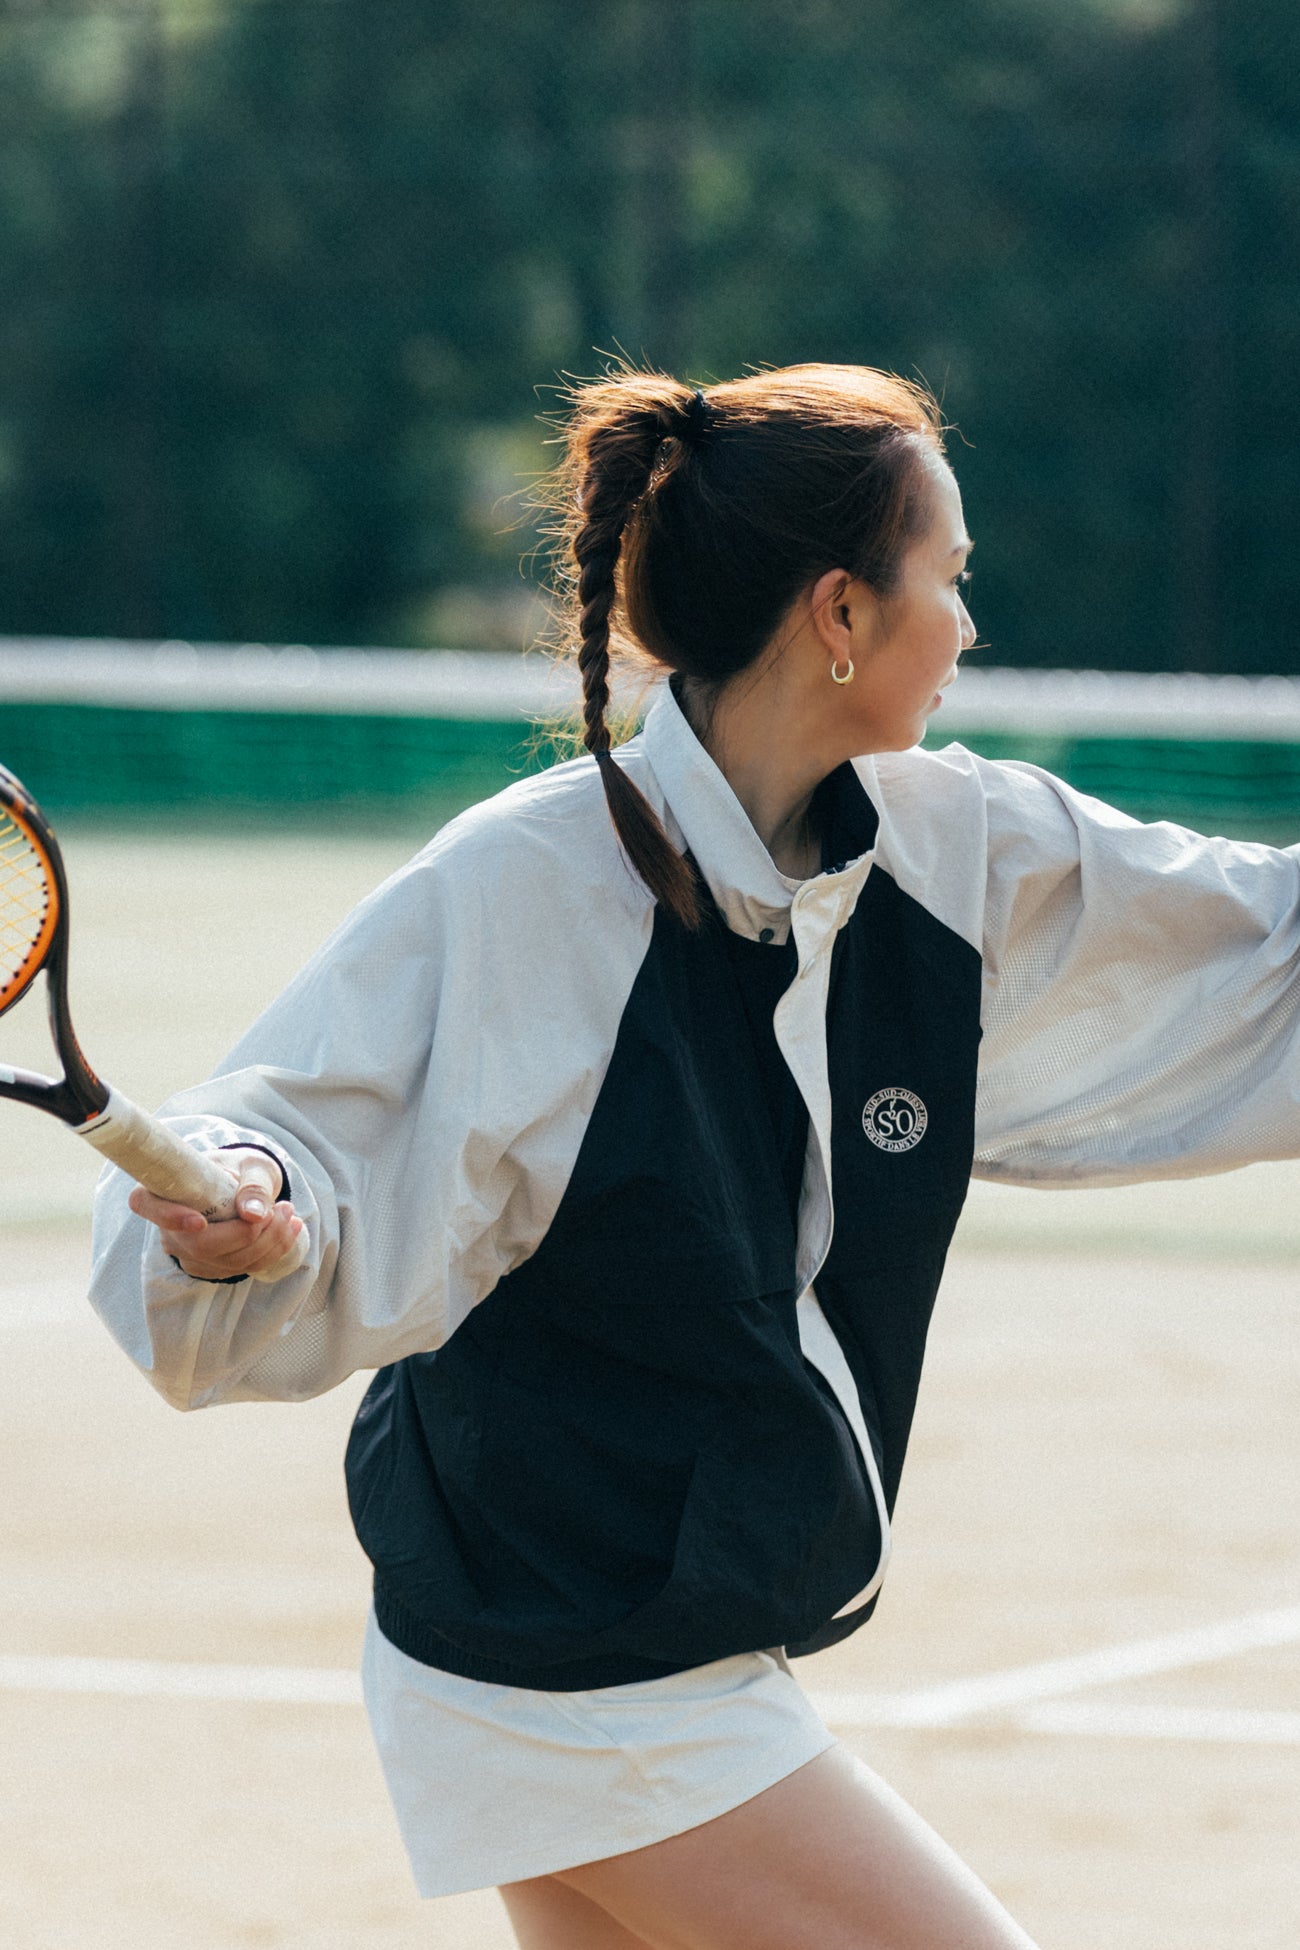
1141,1003
425,1081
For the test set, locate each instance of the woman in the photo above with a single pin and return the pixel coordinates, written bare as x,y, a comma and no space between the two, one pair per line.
566,1102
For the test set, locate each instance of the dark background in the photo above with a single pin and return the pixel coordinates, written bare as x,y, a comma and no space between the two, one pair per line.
285,284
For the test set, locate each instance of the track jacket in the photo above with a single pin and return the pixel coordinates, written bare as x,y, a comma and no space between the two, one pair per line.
630,1415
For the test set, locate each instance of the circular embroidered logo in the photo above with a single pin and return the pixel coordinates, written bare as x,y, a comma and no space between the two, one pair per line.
895,1120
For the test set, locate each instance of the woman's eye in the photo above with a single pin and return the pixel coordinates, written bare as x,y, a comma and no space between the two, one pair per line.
960,581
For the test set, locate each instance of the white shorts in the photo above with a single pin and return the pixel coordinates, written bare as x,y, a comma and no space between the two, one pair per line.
493,1784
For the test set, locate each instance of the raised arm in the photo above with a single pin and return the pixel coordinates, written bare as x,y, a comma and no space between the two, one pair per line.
1141,1005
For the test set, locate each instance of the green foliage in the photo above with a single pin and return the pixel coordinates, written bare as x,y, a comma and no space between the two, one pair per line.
283,279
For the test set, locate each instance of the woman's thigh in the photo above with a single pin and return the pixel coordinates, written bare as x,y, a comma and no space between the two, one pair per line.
828,1859
546,1915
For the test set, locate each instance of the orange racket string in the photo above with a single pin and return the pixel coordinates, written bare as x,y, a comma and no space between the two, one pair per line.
29,908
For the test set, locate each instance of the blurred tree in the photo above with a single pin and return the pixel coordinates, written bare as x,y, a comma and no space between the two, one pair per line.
283,278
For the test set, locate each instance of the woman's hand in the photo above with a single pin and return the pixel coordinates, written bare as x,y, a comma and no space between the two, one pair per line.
265,1239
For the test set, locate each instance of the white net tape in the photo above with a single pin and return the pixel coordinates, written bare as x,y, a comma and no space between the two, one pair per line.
501,685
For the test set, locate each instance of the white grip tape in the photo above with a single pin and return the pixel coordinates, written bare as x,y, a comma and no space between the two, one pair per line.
159,1160
164,1164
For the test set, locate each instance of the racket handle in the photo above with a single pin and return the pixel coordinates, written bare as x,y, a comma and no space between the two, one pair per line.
152,1154
156,1158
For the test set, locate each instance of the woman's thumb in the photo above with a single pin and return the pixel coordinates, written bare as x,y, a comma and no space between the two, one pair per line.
259,1184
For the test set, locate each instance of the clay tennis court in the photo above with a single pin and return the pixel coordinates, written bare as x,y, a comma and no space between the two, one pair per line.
1086,1664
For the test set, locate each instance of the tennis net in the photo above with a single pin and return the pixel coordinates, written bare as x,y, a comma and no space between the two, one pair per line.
128,730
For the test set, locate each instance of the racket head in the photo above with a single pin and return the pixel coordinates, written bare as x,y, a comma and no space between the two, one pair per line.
33,891
33,937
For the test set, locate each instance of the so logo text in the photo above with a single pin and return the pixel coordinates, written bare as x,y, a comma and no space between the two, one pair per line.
895,1120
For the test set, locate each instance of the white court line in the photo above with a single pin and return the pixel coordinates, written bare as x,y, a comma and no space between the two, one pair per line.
155,1679
329,1686
1000,1692
1003,1693
1227,1724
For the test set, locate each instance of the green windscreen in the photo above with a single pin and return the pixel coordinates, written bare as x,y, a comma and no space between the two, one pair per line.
377,737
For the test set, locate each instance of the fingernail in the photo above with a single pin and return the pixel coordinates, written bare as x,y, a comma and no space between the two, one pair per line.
254,1207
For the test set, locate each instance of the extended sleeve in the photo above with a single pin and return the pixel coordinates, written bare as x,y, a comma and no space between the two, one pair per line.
1141,1001
425,1081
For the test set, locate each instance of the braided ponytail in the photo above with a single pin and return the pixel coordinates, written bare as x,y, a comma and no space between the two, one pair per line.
617,447
690,526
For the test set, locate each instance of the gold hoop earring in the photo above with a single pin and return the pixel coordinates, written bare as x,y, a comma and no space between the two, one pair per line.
847,678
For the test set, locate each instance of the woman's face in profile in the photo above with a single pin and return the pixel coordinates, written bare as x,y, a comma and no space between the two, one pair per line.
923,629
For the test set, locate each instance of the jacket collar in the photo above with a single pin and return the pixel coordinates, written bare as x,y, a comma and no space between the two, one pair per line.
752,893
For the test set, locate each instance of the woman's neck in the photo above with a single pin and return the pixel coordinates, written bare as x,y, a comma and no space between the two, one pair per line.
753,732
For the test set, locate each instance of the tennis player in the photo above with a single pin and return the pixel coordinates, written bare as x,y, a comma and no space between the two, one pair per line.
627,1128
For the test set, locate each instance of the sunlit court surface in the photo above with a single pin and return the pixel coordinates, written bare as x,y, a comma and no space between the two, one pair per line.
1085,1669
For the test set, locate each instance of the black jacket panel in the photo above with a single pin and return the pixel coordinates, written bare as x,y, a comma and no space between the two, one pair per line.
622,1464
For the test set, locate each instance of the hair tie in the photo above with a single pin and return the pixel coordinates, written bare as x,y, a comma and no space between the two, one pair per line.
698,418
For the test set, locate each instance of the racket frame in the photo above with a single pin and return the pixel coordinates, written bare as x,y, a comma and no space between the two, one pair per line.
78,1095
150,1151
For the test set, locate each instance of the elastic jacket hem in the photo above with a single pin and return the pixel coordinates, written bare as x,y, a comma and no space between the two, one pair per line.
419,1640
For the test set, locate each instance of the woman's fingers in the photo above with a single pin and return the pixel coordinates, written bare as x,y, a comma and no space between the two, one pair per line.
231,1247
264,1238
277,1265
165,1213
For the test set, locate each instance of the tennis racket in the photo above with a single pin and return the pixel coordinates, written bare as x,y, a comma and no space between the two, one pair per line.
34,938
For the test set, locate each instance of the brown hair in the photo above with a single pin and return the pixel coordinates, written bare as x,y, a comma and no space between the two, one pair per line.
691,521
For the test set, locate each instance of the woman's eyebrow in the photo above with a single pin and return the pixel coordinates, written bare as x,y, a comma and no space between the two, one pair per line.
963,548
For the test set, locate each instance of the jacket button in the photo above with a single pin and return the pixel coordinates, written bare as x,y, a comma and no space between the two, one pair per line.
766,934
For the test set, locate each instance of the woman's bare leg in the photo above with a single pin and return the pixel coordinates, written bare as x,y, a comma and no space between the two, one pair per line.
828,1859
545,1915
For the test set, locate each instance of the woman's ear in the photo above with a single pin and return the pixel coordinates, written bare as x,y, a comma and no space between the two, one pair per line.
842,611
829,611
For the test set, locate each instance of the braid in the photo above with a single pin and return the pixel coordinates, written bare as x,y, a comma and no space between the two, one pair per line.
597,558
689,521
620,457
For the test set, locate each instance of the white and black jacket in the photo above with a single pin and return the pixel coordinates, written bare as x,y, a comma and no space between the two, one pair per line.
630,1416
